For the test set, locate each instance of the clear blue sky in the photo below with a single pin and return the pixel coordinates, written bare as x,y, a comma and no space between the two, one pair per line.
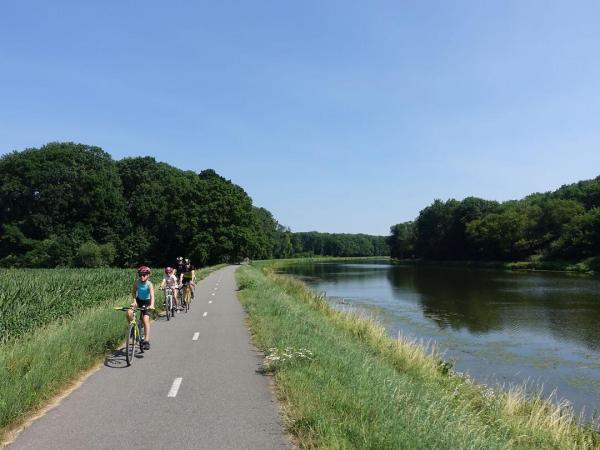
336,116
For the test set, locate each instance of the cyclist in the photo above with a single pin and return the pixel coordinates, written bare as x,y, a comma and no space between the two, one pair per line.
143,295
179,266
170,281
187,277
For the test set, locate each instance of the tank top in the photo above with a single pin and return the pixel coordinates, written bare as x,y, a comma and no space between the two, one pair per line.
143,290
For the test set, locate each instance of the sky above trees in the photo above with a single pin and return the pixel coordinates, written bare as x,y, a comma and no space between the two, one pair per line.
335,116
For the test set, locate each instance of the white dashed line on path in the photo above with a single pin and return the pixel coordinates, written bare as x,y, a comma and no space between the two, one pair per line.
210,301
205,314
212,293
196,336
175,387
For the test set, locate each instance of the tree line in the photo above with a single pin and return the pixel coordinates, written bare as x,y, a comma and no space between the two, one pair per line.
559,225
68,204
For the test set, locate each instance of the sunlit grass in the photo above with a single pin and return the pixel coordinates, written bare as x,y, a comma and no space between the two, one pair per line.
364,389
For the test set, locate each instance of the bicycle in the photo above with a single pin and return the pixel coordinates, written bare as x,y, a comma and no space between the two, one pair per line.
186,296
135,332
169,303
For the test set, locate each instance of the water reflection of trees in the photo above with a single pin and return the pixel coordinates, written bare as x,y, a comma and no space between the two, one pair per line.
449,300
333,272
482,301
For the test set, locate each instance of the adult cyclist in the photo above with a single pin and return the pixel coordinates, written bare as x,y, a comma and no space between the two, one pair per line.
143,296
179,266
187,279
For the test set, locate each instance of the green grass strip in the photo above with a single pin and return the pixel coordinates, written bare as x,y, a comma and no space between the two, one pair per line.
345,384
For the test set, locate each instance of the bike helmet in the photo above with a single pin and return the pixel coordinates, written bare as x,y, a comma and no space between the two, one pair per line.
168,270
143,270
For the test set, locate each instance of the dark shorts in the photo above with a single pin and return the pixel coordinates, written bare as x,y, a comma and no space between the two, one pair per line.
141,303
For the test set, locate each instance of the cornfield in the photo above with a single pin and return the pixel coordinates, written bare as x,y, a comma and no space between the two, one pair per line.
32,298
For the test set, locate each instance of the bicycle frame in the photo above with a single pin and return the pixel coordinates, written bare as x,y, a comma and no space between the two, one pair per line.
134,332
169,302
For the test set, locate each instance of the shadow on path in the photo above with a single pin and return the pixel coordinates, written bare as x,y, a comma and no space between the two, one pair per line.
116,360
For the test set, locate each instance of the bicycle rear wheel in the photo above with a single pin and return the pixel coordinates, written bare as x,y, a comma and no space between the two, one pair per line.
130,344
187,294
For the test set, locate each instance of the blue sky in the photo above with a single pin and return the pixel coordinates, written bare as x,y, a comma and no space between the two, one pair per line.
336,116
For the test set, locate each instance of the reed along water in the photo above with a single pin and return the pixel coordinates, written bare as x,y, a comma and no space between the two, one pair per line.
500,327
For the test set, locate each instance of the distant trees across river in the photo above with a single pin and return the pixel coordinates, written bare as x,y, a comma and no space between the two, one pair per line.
559,225
68,204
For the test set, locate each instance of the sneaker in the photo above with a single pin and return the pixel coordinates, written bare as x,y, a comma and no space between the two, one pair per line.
146,345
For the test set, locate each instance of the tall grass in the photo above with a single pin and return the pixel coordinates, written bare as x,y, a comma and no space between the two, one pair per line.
359,388
32,298
34,369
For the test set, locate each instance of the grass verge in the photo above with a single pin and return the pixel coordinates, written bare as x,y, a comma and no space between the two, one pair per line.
345,384
44,362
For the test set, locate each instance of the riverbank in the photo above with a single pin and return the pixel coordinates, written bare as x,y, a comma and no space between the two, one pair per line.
40,364
588,266
345,384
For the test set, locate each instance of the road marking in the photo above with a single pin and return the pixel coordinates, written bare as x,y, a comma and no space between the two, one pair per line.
196,336
215,289
205,314
210,301
212,293
175,387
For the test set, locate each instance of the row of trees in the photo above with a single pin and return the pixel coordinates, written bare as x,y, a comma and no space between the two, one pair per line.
338,244
70,204
564,224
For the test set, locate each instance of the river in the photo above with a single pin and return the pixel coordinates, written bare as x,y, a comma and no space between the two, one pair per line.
501,327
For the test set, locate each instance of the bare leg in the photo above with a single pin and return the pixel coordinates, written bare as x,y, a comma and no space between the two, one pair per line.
146,327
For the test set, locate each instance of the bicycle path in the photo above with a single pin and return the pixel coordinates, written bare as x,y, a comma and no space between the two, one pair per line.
219,402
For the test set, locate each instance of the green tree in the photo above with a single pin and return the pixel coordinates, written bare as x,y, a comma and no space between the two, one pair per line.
402,240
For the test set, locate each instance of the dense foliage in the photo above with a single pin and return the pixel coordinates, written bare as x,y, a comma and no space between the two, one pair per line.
337,244
70,204
559,225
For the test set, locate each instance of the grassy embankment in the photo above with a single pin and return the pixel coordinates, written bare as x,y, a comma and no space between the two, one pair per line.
344,383
55,324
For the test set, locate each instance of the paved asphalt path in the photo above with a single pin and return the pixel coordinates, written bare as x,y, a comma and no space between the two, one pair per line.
221,403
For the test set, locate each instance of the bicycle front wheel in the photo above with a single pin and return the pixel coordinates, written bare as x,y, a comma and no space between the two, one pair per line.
130,344
168,308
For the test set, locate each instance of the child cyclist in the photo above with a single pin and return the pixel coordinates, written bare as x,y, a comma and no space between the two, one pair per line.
170,281
143,295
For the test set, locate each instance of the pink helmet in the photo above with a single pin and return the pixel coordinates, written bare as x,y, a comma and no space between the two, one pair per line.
168,270
144,270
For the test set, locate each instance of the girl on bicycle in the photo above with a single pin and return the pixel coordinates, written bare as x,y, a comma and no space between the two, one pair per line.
170,281
143,295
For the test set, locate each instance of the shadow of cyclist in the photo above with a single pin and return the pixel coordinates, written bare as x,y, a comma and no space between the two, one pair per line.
116,360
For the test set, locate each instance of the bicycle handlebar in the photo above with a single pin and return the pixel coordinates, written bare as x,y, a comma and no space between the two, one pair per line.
133,308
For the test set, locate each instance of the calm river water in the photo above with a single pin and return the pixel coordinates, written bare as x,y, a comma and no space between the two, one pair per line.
501,327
